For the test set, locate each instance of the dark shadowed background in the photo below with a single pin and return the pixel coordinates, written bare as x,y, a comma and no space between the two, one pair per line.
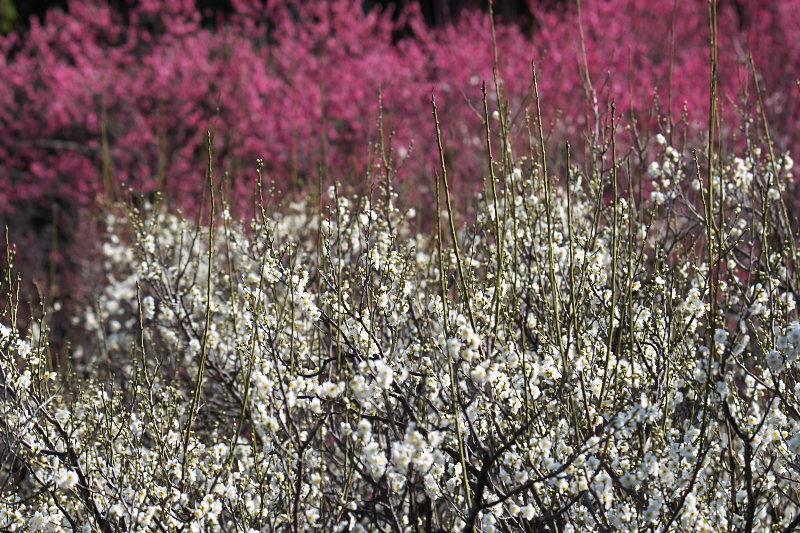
17,13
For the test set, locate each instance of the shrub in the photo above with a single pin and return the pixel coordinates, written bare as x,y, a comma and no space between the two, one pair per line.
593,353
94,97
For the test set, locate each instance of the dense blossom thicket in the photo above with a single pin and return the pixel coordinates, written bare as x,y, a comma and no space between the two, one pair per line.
93,98
600,351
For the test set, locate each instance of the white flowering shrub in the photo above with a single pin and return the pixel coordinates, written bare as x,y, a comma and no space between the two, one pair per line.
584,355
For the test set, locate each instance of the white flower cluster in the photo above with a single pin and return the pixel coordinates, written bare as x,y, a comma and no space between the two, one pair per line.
575,362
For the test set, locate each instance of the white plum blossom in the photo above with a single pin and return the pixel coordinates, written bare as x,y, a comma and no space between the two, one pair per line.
66,479
338,364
